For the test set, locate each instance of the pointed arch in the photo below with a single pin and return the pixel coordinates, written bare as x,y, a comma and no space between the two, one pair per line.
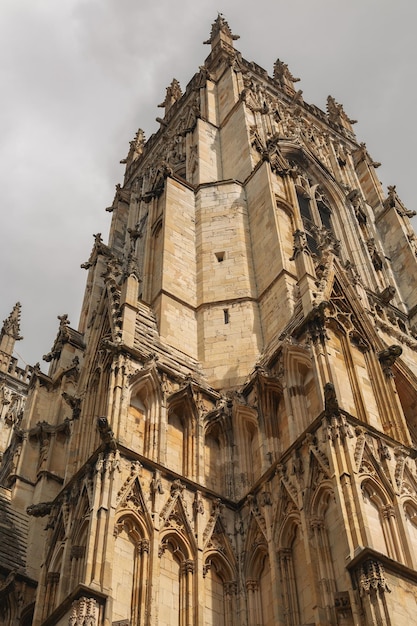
215,455
176,573
141,429
181,437
380,518
249,443
294,574
303,394
328,545
79,539
258,575
131,552
409,505
54,565
220,589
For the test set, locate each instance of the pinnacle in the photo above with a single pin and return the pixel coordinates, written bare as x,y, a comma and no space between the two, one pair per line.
220,29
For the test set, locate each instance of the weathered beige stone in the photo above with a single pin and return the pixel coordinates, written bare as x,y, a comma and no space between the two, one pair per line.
229,437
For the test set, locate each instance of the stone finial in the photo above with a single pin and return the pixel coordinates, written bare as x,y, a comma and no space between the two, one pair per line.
392,201
336,113
11,325
286,80
220,31
9,334
173,93
282,73
136,148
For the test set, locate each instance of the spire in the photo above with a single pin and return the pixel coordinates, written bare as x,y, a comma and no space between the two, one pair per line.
220,32
9,334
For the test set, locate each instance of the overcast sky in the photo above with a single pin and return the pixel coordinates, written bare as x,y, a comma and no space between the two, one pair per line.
78,77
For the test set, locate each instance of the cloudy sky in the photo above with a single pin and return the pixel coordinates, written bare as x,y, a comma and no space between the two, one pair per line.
78,77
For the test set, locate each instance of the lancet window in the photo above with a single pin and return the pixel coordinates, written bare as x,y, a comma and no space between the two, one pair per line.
316,216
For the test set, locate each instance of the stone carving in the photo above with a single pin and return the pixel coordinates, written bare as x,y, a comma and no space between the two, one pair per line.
372,578
135,151
361,154
254,509
62,338
84,612
375,256
215,514
173,93
401,455
360,446
220,26
331,405
11,325
40,510
393,201
356,201
388,357
300,244
387,294
319,455
74,403
284,77
198,504
106,433
336,114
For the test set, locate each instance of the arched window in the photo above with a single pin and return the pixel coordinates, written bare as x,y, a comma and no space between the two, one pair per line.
316,217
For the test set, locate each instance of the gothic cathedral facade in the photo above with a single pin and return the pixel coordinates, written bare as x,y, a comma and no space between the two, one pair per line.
229,438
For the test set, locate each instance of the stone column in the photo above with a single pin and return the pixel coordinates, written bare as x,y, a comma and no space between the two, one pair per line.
186,593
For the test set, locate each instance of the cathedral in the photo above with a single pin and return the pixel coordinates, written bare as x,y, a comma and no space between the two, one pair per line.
229,436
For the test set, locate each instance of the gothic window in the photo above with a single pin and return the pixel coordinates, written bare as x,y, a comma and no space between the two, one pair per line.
316,217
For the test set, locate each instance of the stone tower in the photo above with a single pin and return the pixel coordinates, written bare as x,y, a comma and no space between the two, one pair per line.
229,438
